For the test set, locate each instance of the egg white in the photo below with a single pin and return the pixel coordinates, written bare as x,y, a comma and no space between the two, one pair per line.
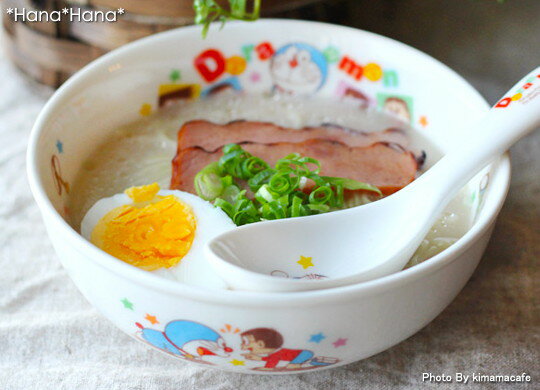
193,269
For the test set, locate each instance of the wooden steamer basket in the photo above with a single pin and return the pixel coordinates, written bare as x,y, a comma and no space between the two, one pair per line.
50,52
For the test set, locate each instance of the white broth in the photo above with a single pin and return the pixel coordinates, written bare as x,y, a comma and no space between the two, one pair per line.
140,152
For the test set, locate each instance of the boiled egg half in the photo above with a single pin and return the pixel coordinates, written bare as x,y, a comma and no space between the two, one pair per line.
161,231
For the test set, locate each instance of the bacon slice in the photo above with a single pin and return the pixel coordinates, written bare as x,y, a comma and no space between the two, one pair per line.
382,164
210,136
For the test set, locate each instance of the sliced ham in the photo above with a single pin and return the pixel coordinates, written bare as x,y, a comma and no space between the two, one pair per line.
210,136
381,164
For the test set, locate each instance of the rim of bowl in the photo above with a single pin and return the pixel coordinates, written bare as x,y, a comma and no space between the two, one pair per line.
242,298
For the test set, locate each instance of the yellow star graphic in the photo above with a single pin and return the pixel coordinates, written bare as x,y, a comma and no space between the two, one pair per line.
146,109
235,362
152,319
423,121
305,262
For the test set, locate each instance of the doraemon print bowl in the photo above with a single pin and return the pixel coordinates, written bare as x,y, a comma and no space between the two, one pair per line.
229,329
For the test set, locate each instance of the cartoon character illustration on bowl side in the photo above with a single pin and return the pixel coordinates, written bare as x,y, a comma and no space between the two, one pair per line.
398,107
187,339
298,69
282,274
346,92
227,85
265,344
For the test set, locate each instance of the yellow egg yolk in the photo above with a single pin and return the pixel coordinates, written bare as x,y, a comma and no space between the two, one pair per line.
152,232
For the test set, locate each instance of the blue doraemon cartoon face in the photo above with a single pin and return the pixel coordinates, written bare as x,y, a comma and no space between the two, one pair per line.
298,69
188,339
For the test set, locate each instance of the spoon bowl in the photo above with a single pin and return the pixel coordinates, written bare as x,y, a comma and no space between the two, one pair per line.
294,254
377,239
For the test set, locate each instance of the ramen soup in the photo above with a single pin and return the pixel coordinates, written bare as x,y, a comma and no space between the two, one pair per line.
163,155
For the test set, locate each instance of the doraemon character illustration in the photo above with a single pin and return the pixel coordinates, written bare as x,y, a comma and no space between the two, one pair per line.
266,345
187,339
298,69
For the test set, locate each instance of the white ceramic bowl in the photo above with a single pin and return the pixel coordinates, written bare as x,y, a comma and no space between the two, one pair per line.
318,329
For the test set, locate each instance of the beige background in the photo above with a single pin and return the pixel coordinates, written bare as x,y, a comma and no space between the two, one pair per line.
50,337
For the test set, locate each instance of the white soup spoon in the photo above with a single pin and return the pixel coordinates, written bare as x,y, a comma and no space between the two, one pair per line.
376,239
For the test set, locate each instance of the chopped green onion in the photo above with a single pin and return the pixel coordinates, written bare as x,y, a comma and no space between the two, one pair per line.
296,163
340,198
308,160
252,166
227,181
277,192
282,183
230,193
209,183
321,195
321,208
297,210
231,162
263,195
273,210
231,148
244,217
317,179
350,184
260,178
284,201
225,206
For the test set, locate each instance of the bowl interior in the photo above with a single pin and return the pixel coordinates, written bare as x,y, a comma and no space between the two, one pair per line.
346,64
